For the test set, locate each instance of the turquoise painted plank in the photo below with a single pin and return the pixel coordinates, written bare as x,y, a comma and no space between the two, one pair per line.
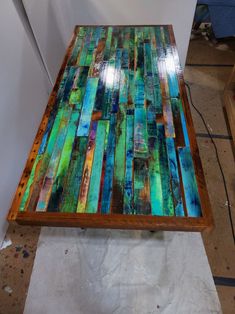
189,182
128,184
175,180
117,74
82,58
108,178
141,187
108,43
168,207
77,46
140,133
93,194
154,170
87,108
54,162
120,160
78,89
73,180
69,83
58,185
93,44
170,65
184,124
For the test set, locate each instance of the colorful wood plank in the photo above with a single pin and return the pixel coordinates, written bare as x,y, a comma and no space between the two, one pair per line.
116,146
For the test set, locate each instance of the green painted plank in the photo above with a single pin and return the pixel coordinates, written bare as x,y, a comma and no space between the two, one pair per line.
93,194
108,176
87,108
78,89
74,176
119,164
154,170
168,206
93,44
77,46
82,199
175,180
128,184
54,162
192,198
140,134
141,187
58,185
82,58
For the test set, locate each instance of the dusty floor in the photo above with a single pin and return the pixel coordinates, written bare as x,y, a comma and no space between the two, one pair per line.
207,71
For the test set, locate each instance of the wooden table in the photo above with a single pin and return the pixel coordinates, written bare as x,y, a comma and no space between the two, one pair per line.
116,147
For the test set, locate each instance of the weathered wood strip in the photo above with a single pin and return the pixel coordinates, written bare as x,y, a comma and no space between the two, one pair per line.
175,179
189,182
87,108
116,82
168,207
141,187
170,65
156,197
128,185
179,135
58,184
93,194
98,55
82,58
108,177
54,162
184,124
77,46
120,160
73,180
87,169
31,196
93,44
79,86
140,133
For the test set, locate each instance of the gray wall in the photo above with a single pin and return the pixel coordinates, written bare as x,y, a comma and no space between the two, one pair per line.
24,91
53,21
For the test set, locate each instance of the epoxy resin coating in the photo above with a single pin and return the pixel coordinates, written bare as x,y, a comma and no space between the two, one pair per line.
116,139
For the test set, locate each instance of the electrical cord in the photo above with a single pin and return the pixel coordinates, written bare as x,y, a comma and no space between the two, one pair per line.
217,158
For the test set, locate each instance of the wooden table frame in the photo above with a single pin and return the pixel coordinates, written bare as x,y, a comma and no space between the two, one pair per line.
119,221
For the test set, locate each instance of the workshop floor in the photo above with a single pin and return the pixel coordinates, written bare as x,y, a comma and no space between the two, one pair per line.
207,77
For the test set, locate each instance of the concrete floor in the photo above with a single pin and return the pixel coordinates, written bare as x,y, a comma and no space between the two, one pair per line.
207,83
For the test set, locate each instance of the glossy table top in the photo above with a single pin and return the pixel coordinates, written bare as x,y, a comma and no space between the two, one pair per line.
116,139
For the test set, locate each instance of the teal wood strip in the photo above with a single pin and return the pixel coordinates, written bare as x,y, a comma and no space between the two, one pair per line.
93,44
120,160
168,207
78,90
110,78
82,58
87,108
154,170
179,135
128,185
69,83
54,162
108,177
77,46
74,176
82,199
93,194
170,65
108,43
156,82
30,199
141,187
183,123
116,82
140,133
189,182
132,49
175,180
57,188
